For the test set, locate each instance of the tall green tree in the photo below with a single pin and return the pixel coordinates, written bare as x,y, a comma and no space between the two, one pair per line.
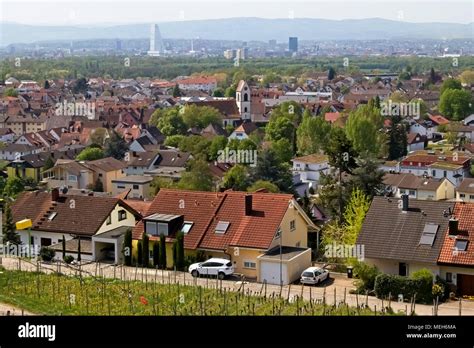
162,251
156,254
176,91
312,134
354,215
63,244
269,168
397,139
200,116
90,154
331,73
127,247
456,104
9,229
367,176
139,252
180,251
115,146
13,186
450,84
145,250
362,129
236,178
79,256
198,178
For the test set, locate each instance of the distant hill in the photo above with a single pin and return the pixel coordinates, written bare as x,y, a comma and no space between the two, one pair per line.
246,29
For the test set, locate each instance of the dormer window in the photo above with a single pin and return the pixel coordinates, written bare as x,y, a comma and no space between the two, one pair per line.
222,227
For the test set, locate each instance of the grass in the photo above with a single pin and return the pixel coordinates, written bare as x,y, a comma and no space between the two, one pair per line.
53,294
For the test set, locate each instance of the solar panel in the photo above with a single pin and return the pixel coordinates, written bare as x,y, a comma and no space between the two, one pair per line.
429,234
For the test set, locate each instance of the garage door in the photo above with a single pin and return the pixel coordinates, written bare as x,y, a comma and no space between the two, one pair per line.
270,271
465,284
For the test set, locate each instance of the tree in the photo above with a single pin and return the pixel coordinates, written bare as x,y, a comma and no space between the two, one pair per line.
162,251
13,186
362,129
79,257
269,168
9,229
159,182
145,250
262,184
231,91
63,244
331,73
156,254
115,146
10,92
90,154
218,93
127,247
200,116
368,177
173,140
179,263
397,139
139,252
169,122
198,178
456,104
236,178
450,84
49,163
279,128
340,151
467,77
80,86
451,138
99,136
433,77
98,186
219,142
354,215
283,150
176,91
312,134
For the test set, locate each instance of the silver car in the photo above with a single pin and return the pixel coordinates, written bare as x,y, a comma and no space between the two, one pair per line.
314,275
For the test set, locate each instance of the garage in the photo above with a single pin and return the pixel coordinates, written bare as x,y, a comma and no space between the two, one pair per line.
465,284
288,262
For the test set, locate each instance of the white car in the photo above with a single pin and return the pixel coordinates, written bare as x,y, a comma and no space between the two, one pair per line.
314,275
213,267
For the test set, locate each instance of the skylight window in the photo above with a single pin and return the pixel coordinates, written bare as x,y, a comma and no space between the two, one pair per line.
222,227
461,245
52,216
186,227
429,234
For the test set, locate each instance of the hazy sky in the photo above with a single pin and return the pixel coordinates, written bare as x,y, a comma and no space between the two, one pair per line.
90,12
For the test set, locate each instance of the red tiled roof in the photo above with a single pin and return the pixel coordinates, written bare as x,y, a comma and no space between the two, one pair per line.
331,116
438,119
206,209
464,212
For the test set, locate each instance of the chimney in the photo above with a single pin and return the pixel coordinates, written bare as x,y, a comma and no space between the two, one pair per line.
248,205
55,194
405,202
453,226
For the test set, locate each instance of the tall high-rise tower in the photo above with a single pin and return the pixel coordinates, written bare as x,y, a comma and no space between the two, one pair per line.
156,43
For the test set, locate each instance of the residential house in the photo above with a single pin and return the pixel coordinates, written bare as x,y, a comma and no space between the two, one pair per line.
246,228
201,83
106,170
166,163
6,135
416,187
137,186
243,131
415,142
433,235
16,151
97,223
308,169
465,191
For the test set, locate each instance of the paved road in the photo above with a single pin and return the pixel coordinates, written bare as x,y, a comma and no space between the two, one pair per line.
334,290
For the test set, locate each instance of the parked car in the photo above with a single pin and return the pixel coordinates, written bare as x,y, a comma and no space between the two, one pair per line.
215,266
314,275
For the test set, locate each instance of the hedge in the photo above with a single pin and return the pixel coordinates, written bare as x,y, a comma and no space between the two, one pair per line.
388,284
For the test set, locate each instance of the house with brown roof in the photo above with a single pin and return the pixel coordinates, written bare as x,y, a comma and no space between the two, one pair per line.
422,188
168,163
403,236
246,228
465,191
243,131
97,223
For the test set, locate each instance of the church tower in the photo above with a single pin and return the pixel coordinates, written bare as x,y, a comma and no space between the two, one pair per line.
242,96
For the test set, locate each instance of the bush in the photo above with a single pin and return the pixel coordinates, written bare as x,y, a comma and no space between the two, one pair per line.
47,254
68,259
420,284
366,275
437,291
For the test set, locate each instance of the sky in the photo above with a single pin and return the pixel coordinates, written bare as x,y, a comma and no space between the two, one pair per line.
100,12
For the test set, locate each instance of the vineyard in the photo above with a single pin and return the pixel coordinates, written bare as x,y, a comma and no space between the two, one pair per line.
56,294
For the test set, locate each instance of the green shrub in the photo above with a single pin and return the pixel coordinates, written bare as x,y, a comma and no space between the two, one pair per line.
47,254
419,284
366,275
68,258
